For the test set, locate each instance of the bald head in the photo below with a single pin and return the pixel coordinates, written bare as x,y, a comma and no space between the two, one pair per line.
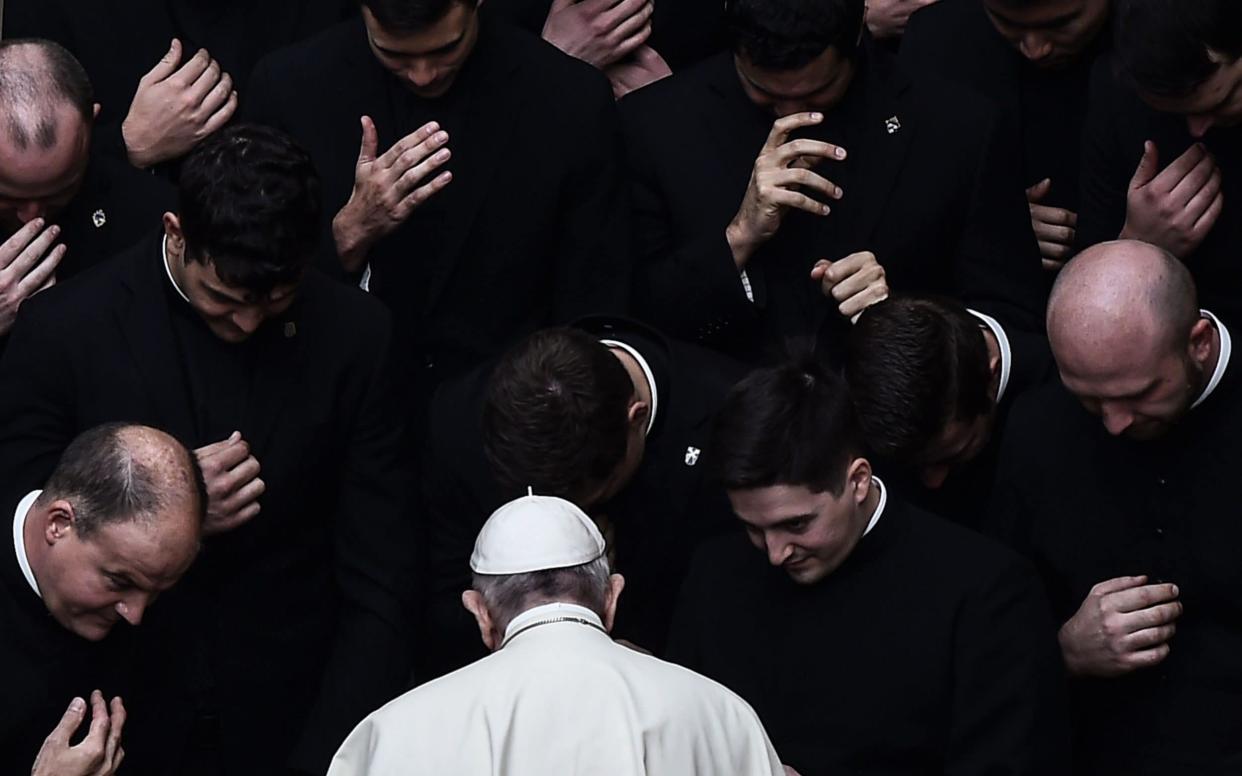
1120,297
41,84
123,472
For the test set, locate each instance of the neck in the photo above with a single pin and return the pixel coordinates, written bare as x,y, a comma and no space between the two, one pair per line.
32,530
869,505
642,388
1209,366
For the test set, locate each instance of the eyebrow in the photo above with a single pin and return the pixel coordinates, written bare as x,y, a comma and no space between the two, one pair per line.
789,521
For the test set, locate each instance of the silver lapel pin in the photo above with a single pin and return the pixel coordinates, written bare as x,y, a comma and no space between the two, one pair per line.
99,218
892,124
692,455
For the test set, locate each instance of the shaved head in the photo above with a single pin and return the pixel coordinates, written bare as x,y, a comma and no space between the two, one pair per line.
1128,337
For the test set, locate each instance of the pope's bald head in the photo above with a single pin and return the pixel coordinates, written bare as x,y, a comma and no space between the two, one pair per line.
1119,300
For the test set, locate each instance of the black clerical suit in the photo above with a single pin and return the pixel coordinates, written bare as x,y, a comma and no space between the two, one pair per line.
931,186
682,31
1087,507
1118,123
924,653
119,41
529,233
956,39
291,628
653,524
44,665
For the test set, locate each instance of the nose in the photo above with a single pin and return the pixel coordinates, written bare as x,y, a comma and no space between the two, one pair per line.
29,211
132,610
1116,419
1035,46
1199,125
934,476
421,74
248,319
778,551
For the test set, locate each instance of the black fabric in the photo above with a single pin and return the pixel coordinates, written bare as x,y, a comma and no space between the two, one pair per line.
119,41
45,665
662,513
291,628
534,225
1087,507
682,31
955,39
938,199
1118,124
927,652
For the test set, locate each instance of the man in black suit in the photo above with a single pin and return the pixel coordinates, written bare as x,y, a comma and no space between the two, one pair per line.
860,157
1130,516
53,187
485,202
1162,161
294,625
931,382
875,639
1032,58
609,414
117,523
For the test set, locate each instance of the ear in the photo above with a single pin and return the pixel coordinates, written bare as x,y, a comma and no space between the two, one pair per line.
637,414
858,480
1202,337
59,521
473,601
95,110
616,583
172,228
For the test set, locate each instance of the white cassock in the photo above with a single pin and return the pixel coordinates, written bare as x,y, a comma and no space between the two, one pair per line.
562,699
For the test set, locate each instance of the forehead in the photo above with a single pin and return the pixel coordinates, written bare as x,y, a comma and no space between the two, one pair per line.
35,169
1035,13
205,273
154,553
761,507
437,35
799,82
1223,82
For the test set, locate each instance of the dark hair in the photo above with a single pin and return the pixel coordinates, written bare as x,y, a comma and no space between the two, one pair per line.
108,481
788,34
792,424
1164,47
555,415
913,366
31,86
410,15
248,199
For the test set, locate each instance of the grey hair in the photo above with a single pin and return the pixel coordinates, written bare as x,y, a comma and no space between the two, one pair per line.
506,596
36,76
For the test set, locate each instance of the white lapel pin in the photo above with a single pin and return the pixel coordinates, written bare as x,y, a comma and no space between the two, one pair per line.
692,455
99,218
892,124
291,329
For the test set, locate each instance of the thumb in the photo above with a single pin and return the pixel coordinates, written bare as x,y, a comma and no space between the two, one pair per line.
370,141
820,270
69,722
168,63
1040,190
1148,166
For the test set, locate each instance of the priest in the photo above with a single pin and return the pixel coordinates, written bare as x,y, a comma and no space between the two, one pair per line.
557,695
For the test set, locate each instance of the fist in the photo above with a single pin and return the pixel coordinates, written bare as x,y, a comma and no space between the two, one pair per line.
854,283
1124,624
233,485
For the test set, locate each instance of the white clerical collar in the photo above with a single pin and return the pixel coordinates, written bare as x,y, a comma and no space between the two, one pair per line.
550,613
19,538
642,364
1006,352
1222,361
879,508
168,269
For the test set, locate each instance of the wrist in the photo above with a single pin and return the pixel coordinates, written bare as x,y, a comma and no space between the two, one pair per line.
137,155
351,242
741,244
1069,656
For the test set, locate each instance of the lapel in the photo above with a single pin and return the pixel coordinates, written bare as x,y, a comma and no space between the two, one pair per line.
881,153
147,329
278,372
482,145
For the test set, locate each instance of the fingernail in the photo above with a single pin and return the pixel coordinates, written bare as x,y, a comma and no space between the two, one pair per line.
840,152
77,704
838,193
442,155
826,210
441,137
1176,591
53,230
817,117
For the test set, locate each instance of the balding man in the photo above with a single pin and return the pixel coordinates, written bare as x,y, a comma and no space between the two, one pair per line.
558,695
51,187
1118,484
117,523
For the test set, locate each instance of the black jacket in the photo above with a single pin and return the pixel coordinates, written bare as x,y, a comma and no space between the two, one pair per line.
931,186
661,514
531,230
291,628
1118,124
1087,507
924,653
